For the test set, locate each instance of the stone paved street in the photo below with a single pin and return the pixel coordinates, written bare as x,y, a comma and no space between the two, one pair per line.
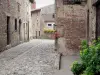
36,57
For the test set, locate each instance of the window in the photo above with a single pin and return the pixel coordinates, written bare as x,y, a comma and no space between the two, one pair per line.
49,24
18,7
15,24
53,15
73,1
39,33
20,21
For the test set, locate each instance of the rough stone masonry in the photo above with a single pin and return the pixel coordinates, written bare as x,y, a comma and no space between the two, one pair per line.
71,22
15,20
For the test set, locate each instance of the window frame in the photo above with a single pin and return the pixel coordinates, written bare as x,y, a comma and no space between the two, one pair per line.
49,24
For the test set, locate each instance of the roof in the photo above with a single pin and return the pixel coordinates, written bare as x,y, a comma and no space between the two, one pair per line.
35,10
48,9
48,17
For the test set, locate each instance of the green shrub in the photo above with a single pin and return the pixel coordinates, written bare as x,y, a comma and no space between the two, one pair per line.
77,68
90,59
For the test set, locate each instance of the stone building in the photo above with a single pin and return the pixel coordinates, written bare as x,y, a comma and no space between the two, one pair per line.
47,14
49,21
71,24
94,19
36,23
15,22
41,18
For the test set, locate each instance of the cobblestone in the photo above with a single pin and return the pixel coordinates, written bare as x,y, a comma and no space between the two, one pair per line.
39,58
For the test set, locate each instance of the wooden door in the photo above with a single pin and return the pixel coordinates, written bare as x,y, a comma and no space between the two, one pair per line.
20,30
98,22
8,30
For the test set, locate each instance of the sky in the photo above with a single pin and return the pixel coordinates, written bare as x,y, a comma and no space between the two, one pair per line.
42,3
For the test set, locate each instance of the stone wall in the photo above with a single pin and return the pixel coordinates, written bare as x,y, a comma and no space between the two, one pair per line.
92,19
71,21
14,10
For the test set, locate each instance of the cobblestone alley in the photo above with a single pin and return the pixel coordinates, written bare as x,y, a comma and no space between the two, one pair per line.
36,57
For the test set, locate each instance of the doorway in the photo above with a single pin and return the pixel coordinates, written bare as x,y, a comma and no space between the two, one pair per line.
8,30
98,22
36,34
20,30
28,31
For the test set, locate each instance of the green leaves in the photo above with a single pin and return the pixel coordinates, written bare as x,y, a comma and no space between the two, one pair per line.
77,68
90,59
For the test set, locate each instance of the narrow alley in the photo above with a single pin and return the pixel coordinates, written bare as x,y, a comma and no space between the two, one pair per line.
36,57
49,37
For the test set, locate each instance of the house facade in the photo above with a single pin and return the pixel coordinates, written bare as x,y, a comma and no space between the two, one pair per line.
15,22
49,25
42,19
36,23
71,25
49,21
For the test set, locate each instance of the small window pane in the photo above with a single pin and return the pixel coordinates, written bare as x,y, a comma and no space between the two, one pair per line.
49,24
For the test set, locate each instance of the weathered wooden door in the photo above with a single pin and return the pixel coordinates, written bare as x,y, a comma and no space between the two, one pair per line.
98,22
